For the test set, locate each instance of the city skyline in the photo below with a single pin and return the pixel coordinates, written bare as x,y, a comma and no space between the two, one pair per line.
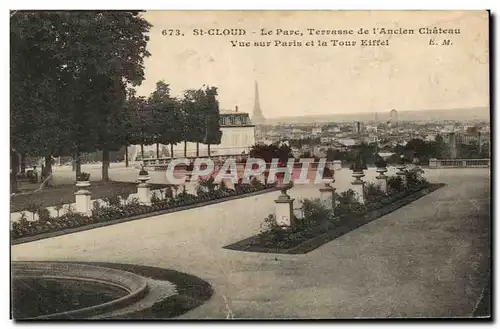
302,82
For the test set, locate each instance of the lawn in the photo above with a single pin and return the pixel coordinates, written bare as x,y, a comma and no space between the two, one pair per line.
64,194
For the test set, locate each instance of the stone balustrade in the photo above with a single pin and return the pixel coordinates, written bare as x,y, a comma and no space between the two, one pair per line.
459,163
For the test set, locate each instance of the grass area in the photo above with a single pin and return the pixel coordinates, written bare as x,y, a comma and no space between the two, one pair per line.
191,291
64,194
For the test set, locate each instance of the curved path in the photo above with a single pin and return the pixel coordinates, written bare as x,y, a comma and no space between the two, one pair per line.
428,259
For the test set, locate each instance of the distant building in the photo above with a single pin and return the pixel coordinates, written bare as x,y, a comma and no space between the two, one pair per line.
317,131
238,136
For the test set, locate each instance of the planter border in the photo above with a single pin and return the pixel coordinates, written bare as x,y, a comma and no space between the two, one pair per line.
52,234
352,223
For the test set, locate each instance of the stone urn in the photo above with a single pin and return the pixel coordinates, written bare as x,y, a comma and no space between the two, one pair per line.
284,188
401,169
143,176
82,184
83,180
358,174
381,171
401,166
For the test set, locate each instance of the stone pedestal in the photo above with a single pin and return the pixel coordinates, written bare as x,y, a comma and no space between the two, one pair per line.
359,190
382,179
284,212
327,195
402,172
83,204
144,193
358,186
284,207
337,164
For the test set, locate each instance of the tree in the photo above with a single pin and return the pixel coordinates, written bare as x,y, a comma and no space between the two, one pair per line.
166,122
270,152
201,119
37,128
419,149
333,154
213,134
82,62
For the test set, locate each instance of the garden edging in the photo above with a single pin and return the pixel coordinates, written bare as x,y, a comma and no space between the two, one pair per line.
353,223
136,217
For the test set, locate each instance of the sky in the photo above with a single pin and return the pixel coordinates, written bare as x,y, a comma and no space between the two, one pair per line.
409,74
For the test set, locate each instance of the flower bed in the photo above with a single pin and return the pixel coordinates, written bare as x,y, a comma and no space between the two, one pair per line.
319,226
117,210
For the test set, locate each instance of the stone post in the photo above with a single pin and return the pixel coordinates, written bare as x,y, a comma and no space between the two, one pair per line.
358,186
82,198
382,179
284,208
143,190
337,164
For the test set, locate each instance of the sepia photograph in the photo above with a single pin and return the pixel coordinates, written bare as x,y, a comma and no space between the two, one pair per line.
250,165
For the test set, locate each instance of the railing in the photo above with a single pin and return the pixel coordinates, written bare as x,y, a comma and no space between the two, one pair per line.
162,163
459,163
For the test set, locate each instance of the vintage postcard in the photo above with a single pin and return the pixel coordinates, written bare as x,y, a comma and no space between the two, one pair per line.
250,165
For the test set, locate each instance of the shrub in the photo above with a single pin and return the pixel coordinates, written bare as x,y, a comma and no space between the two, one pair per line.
33,207
315,212
155,200
395,183
96,209
271,230
207,185
113,201
327,173
346,202
414,178
169,193
223,186
254,182
373,192
123,195
70,210
58,208
43,215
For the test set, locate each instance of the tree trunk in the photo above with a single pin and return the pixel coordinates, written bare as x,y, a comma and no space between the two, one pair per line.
23,163
48,165
157,150
78,164
48,171
105,164
208,149
197,149
142,151
185,149
14,164
126,156
171,151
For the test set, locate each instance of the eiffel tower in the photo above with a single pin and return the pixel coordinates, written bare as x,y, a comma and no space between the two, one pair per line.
257,117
